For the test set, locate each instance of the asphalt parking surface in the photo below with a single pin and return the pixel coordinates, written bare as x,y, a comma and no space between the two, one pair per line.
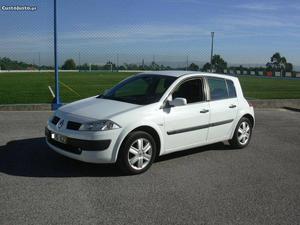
207,185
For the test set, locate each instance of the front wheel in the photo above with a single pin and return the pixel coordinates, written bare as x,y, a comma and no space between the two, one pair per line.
242,134
137,153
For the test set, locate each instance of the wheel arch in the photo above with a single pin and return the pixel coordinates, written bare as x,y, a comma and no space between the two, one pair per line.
152,130
250,117
153,133
241,115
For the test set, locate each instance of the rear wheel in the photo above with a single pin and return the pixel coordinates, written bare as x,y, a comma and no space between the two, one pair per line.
137,153
242,134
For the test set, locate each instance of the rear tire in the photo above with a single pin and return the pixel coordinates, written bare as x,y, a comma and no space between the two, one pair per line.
242,134
137,153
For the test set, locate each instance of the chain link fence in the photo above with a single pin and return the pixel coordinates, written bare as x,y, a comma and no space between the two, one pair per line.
95,58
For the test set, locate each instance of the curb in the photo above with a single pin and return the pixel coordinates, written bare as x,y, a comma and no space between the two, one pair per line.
26,107
276,103
263,104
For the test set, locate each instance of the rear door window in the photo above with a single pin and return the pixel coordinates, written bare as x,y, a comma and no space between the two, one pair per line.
218,88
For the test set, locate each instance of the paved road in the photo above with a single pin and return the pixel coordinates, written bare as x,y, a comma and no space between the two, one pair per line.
209,185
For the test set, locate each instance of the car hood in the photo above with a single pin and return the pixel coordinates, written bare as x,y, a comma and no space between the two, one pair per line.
97,108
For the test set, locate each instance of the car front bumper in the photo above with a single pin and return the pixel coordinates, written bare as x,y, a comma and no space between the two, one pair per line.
95,149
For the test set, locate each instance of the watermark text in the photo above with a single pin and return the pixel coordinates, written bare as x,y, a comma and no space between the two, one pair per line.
18,8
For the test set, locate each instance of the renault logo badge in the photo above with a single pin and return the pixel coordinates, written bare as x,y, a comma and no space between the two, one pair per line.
60,124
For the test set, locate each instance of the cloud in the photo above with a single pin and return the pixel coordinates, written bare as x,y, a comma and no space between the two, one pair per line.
185,1
295,6
109,38
143,32
256,6
228,26
255,20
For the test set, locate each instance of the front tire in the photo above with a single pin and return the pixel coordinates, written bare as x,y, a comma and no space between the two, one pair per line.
242,134
137,153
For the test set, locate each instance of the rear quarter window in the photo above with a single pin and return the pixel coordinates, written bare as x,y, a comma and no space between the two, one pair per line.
231,89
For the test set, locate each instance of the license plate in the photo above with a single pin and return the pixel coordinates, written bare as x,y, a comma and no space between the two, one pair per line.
59,138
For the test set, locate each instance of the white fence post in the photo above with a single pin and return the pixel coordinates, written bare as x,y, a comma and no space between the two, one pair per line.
288,74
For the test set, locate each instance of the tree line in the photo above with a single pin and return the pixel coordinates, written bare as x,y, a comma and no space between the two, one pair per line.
277,63
218,64
9,64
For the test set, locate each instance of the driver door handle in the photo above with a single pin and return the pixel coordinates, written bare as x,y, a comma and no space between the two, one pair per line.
204,111
232,106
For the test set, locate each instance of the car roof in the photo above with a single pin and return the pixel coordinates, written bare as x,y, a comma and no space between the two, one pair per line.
179,73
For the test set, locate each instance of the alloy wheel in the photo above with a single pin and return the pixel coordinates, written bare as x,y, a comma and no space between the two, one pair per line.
244,133
140,153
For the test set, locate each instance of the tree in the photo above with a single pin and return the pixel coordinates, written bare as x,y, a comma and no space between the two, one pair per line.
154,66
279,63
69,65
219,64
269,66
275,61
289,67
193,67
109,66
96,67
206,67
2,66
84,66
8,64
122,67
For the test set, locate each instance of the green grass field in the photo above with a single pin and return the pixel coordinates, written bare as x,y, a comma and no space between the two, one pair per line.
33,87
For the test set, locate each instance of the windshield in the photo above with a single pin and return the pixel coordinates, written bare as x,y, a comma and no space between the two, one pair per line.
141,89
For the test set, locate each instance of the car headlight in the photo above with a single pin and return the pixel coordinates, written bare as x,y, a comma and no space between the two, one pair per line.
100,125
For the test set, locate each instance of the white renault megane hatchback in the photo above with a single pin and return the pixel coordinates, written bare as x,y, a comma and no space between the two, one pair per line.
152,114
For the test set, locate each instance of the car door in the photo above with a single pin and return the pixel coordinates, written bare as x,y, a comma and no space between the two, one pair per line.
187,125
223,108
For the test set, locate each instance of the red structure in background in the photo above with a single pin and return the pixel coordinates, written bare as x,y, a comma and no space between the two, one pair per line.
269,73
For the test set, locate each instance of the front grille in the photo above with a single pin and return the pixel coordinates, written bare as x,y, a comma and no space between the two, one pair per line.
73,125
55,120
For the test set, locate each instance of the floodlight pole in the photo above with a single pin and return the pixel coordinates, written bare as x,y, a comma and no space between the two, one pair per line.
187,62
79,63
117,62
212,51
39,61
57,102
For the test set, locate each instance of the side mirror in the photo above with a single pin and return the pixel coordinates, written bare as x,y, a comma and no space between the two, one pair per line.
178,102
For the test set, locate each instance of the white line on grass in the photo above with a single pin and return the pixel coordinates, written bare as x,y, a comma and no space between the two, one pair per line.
72,90
50,89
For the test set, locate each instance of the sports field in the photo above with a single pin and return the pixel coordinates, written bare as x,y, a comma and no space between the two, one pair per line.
33,87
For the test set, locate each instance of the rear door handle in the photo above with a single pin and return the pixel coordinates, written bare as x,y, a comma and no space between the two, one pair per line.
204,111
232,106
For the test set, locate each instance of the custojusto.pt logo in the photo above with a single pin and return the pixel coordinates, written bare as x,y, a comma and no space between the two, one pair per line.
18,8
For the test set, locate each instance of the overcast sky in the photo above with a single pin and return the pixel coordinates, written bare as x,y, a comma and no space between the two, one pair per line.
246,32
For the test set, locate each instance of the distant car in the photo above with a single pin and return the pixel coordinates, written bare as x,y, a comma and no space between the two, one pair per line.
152,114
